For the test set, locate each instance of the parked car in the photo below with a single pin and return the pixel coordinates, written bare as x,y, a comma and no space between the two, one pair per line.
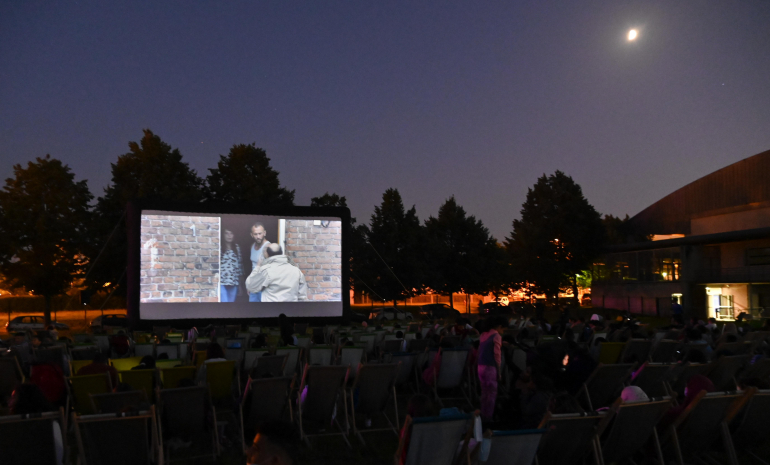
33,323
494,308
586,299
390,313
110,321
438,311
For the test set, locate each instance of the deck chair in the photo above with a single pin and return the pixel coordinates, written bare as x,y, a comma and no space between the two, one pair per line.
182,414
653,378
85,385
392,345
665,351
124,364
636,351
116,440
199,356
407,366
219,378
418,345
168,363
290,369
84,352
604,384
303,341
450,374
30,438
171,349
371,393
76,365
352,357
370,341
750,428
273,365
115,402
320,355
10,376
171,377
53,355
234,348
517,447
264,400
759,370
698,428
568,439
434,440
628,427
724,369
250,357
139,380
144,349
735,348
609,352
321,387
681,374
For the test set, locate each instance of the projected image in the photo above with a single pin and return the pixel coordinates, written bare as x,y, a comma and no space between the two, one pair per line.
179,259
232,266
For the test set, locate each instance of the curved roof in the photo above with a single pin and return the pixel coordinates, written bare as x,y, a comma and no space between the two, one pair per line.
740,184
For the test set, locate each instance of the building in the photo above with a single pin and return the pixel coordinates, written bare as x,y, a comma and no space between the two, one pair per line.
709,249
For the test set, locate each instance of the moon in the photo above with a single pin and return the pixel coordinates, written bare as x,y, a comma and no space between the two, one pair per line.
632,35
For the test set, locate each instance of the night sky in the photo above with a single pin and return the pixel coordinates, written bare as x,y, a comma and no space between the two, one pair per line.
472,99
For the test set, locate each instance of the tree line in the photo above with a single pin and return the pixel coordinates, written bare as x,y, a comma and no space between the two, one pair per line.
53,232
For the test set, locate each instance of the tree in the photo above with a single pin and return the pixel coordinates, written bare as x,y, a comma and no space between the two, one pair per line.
557,237
44,216
151,170
389,258
462,256
329,200
245,177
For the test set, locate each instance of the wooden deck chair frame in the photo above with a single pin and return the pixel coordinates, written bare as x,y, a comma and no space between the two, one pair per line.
45,416
392,394
155,447
292,363
465,373
246,392
657,406
166,454
11,363
354,365
673,435
341,389
266,359
623,368
461,457
753,396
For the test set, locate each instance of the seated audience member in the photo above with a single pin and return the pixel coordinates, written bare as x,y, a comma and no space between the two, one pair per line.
535,397
99,365
695,385
276,443
28,399
260,340
147,363
633,394
120,344
214,353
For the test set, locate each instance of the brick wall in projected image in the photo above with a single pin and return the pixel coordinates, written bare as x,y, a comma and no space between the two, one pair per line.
179,259
316,248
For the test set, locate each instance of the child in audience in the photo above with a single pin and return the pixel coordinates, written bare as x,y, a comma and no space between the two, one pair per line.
489,360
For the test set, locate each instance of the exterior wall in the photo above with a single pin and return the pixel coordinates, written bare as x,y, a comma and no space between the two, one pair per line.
317,251
639,298
179,259
736,221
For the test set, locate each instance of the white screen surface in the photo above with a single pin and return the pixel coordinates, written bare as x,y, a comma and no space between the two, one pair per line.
195,265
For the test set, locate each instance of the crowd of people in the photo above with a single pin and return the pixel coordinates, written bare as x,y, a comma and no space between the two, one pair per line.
526,366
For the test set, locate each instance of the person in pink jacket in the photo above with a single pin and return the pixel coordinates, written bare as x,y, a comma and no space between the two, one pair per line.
489,359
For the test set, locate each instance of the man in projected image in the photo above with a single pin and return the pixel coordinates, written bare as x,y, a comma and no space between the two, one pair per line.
258,233
277,279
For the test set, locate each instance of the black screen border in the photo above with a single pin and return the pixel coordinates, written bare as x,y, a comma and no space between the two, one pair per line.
133,225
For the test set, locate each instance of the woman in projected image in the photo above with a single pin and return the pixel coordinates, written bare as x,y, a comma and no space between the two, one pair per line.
230,268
